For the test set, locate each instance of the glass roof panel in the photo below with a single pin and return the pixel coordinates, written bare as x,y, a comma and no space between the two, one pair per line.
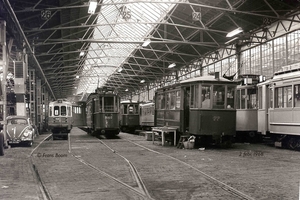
122,27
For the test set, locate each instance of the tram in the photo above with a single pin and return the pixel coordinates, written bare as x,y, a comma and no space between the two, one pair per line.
60,118
202,106
246,109
79,114
147,115
102,112
129,116
279,108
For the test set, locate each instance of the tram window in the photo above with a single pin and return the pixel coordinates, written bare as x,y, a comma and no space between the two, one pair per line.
97,104
219,93
69,111
238,99
177,100
158,102
278,98
124,109
259,102
297,95
205,96
168,100
252,98
162,99
56,110
130,109
63,111
271,98
230,97
194,96
136,109
288,96
243,99
283,97
173,100
108,104
116,104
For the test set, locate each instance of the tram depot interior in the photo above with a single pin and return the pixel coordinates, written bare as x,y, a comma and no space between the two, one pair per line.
65,49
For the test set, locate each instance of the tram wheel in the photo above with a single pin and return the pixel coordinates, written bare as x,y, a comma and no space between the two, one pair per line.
252,134
293,143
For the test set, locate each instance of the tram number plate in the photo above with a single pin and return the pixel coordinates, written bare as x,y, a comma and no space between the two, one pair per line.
216,118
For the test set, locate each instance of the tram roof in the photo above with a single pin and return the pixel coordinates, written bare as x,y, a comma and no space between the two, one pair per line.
55,32
129,101
209,78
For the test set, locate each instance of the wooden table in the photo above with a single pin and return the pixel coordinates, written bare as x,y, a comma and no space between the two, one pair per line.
164,130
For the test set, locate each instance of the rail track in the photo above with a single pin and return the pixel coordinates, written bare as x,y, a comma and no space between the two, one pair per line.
46,195
213,180
141,189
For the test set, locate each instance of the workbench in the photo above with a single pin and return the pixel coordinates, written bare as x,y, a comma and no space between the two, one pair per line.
164,130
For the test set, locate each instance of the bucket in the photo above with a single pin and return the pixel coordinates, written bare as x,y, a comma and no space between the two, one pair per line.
188,145
148,136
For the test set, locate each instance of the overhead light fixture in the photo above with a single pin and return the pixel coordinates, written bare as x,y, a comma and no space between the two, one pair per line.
172,65
77,76
143,81
92,6
146,43
81,54
120,69
234,32
230,41
126,90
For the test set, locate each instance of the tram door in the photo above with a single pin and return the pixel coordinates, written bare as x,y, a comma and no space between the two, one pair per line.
264,102
186,108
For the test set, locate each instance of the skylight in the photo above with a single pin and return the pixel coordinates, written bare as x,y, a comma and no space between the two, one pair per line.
123,27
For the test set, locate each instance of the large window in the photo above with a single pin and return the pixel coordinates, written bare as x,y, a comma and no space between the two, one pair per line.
255,60
267,59
246,62
279,53
294,47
